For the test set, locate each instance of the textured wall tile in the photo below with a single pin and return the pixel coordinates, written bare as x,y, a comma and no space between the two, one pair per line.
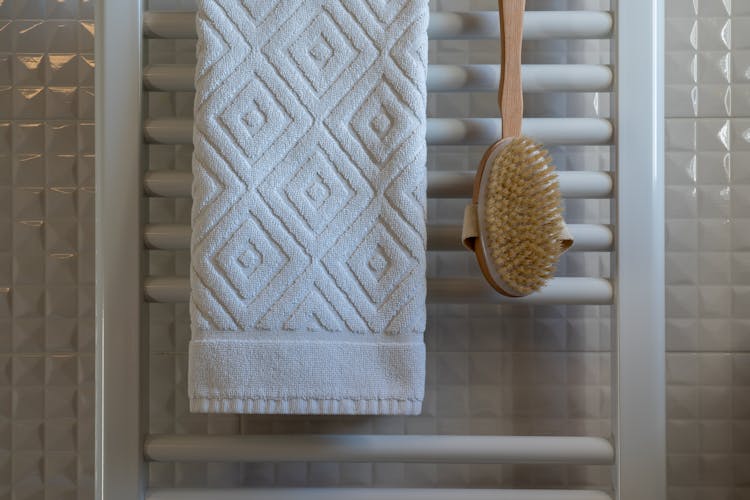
44,282
707,70
711,44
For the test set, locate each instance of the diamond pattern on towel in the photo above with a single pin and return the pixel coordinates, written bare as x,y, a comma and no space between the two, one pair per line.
314,314
255,119
310,166
212,49
381,123
386,10
259,9
318,191
322,53
379,263
250,259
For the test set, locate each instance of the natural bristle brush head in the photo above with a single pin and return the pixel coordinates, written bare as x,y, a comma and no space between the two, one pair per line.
514,224
520,217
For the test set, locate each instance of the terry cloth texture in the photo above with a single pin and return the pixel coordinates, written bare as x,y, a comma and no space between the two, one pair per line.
308,244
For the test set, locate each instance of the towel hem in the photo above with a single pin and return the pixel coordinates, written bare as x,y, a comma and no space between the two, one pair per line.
306,376
297,406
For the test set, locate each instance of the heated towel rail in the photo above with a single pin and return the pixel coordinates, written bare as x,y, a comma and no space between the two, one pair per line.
635,238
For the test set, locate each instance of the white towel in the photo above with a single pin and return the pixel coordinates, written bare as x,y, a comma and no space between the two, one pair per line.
308,247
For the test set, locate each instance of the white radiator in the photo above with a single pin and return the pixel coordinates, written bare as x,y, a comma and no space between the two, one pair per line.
633,236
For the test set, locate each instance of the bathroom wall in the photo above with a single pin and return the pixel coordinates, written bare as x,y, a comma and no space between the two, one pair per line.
708,248
46,249
495,378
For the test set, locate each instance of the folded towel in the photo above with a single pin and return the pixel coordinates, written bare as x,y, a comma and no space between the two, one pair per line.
308,247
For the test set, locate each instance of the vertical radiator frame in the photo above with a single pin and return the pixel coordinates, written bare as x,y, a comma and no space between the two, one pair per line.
639,413
121,345
638,340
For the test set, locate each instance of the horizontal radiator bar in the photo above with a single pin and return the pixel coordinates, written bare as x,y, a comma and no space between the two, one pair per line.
440,78
446,238
440,131
443,25
177,184
588,238
370,494
379,448
559,291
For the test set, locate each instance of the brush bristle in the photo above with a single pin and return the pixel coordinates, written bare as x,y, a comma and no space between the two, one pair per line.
523,216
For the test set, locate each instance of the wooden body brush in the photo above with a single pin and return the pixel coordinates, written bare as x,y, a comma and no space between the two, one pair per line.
514,224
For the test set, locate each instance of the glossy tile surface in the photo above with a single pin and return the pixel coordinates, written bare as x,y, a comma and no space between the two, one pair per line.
708,269
490,371
46,249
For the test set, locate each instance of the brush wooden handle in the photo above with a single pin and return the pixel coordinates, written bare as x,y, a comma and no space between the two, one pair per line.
510,97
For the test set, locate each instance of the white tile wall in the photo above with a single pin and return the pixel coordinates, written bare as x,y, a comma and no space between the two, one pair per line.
495,376
708,208
46,249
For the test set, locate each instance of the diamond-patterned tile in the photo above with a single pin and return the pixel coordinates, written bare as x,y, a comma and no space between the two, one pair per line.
42,318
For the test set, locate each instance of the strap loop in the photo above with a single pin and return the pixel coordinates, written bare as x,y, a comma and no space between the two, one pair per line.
470,231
